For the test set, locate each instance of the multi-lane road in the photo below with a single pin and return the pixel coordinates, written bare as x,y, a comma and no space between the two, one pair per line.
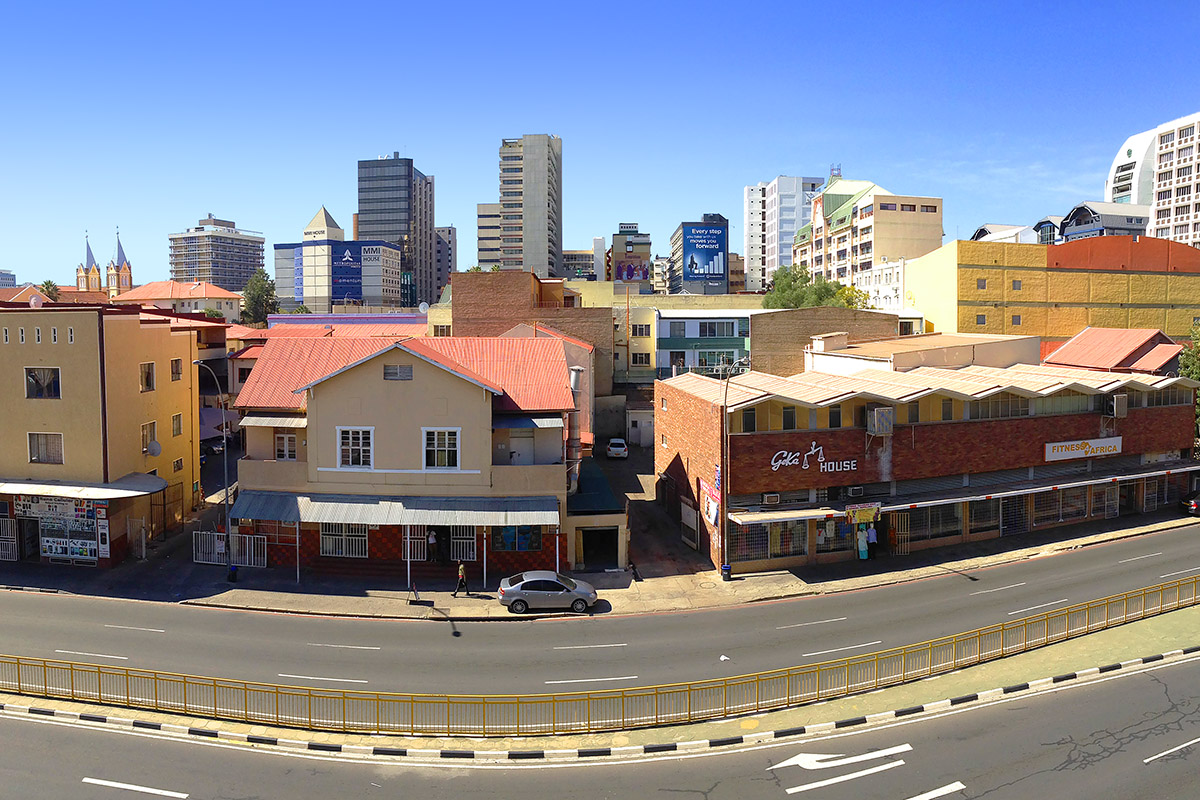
577,654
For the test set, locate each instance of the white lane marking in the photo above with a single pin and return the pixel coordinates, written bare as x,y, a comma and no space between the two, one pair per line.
831,781
998,589
133,787
318,678
1168,752
827,760
840,649
814,622
594,680
949,788
1180,572
1035,608
345,646
589,646
1138,558
132,628
91,655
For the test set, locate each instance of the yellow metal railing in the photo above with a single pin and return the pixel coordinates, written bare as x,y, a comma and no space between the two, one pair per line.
526,715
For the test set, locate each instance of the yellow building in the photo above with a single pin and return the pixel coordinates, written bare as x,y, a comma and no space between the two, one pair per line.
1055,291
101,442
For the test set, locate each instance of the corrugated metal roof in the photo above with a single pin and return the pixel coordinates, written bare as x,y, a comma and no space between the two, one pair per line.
135,484
526,421
253,351
348,330
531,371
243,333
286,364
1157,358
1105,348
713,390
384,510
173,290
272,421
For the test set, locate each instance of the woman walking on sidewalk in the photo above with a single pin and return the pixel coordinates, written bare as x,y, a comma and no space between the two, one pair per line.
462,581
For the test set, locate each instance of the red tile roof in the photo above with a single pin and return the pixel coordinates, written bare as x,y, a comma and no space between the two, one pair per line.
171,290
1108,348
539,329
17,294
286,364
243,333
71,294
252,351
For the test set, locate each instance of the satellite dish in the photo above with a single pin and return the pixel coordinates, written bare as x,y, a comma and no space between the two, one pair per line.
154,448
35,301
423,308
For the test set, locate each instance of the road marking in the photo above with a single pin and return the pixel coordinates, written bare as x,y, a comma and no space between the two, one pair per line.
805,624
1180,572
594,680
589,646
1034,608
840,649
133,787
132,628
998,589
345,646
1138,558
942,792
318,678
831,781
90,655
1168,752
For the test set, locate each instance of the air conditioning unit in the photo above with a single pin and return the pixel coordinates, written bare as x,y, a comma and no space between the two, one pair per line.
854,491
771,499
880,420
1117,405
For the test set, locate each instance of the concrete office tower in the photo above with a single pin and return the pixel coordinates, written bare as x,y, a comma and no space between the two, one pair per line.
631,254
8,279
216,252
773,213
524,230
396,204
447,256
1158,168
700,256
599,252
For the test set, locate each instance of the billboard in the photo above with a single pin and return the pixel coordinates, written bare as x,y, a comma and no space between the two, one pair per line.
631,267
346,269
705,259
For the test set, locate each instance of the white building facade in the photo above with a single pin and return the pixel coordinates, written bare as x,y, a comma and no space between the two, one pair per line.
1158,168
773,213
530,208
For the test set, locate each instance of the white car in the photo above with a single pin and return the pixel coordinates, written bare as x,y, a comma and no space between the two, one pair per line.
617,449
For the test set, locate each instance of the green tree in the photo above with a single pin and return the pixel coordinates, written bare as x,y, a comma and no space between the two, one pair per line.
795,288
301,310
495,267
475,268
1189,365
852,297
212,313
50,289
259,298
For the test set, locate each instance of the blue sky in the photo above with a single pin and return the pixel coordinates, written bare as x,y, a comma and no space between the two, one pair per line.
149,116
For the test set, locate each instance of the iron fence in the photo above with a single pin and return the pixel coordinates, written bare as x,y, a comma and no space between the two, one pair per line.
583,712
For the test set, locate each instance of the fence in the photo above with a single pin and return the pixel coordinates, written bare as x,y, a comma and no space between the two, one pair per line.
509,715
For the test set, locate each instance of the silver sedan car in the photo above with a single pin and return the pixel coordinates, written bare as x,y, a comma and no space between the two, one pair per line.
542,588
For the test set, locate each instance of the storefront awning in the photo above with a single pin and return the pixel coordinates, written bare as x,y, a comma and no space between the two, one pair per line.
763,517
135,484
269,421
527,421
379,510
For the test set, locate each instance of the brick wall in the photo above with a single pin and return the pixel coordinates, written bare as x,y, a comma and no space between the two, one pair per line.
693,430
777,340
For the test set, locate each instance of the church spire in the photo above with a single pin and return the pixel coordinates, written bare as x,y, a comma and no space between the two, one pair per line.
89,260
120,250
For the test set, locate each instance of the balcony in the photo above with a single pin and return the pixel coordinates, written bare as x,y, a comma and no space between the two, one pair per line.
272,474
527,479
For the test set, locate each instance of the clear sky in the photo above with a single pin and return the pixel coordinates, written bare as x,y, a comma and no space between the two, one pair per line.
150,116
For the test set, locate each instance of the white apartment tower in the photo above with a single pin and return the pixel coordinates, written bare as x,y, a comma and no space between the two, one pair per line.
524,230
1158,168
773,213
216,252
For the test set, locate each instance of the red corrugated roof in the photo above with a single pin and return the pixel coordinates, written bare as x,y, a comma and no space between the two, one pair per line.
1049,347
1106,348
532,371
371,329
171,290
253,351
286,364
540,328
243,333
1158,357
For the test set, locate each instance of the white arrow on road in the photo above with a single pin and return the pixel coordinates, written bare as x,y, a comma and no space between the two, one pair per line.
724,657
827,760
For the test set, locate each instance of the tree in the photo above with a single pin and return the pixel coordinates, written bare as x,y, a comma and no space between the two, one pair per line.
259,298
1189,365
212,313
495,267
852,297
301,310
475,268
50,289
795,288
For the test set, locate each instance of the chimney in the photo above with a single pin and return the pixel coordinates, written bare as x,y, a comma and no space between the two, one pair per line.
828,342
574,445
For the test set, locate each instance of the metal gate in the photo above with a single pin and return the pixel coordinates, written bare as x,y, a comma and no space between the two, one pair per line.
9,549
899,533
415,548
1014,515
135,535
208,547
1150,495
1105,500
462,543
247,550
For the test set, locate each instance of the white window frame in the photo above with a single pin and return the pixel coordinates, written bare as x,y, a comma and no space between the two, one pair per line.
336,537
457,448
62,448
289,446
338,448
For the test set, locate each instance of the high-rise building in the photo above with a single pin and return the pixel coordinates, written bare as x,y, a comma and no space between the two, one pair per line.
599,254
216,252
773,213
8,279
578,264
700,256
396,204
1158,168
447,256
524,230
631,255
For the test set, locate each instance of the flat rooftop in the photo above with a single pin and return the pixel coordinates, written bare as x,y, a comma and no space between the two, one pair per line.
886,348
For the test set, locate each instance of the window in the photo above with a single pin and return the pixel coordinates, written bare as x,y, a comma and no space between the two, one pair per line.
639,359
1016,284
1016,319
887,206
41,383
70,336
147,376
45,448
835,416
908,207
947,410
244,374
981,319
149,434
748,420
678,330
663,439
789,418
981,283
177,425
715,329
641,331
999,407
664,403
929,209
37,334
6,335
21,335
54,335
354,448
519,538
176,369
285,447
177,465
397,372
343,540
441,448
441,330
914,412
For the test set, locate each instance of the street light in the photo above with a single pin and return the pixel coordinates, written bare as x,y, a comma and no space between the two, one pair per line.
224,460
724,521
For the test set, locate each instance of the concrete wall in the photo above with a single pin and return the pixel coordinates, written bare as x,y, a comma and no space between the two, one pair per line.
610,418
777,339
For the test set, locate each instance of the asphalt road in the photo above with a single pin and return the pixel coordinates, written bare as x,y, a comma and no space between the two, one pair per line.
577,654
1133,735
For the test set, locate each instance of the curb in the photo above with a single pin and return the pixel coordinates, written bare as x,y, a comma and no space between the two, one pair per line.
586,753
358,615
37,589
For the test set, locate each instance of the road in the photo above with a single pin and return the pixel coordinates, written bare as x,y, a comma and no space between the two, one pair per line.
1133,735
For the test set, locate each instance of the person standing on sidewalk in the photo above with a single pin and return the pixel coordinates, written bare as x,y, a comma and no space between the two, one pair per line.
462,581
431,547
872,541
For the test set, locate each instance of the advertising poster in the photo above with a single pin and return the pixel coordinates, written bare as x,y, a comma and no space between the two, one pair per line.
705,258
631,267
347,266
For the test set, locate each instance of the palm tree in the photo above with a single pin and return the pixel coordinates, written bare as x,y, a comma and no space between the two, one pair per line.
50,289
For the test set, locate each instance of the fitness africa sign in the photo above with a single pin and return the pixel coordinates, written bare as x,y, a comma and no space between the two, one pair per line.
815,458
1083,448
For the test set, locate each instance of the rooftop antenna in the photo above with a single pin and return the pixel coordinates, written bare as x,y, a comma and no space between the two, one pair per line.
835,170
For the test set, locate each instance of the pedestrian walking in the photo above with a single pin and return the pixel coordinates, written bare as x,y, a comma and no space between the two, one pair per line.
872,541
431,547
462,581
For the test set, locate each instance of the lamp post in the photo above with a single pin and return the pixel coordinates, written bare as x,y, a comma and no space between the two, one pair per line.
224,460
724,509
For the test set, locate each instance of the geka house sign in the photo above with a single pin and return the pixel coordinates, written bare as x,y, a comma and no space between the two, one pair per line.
814,458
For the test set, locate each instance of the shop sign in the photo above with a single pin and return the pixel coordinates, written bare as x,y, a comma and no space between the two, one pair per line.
29,505
711,501
1083,448
56,547
861,513
815,457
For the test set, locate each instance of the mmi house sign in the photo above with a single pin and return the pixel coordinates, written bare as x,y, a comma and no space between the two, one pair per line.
815,457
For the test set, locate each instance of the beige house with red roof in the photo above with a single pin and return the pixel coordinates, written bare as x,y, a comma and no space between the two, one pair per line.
364,447
192,297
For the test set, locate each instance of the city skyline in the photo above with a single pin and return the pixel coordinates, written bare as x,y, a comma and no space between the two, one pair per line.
941,106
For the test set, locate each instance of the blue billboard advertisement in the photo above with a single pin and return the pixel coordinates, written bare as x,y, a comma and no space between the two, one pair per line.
705,259
346,280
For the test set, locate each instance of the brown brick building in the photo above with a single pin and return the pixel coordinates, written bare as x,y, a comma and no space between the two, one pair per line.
929,457
777,338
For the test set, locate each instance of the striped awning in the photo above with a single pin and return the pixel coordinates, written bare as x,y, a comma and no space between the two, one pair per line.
380,510
274,421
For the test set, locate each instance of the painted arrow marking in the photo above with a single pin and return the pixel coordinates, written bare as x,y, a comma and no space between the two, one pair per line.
827,760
